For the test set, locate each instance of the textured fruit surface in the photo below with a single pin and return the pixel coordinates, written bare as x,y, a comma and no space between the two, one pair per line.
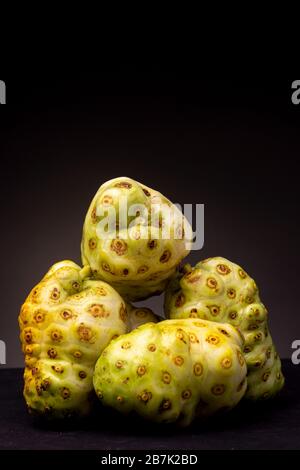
138,316
139,261
175,370
219,290
66,322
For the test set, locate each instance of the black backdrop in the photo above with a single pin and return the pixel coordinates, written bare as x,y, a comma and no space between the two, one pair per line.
232,144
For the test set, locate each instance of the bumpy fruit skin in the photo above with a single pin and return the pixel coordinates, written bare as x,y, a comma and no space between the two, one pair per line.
66,322
137,262
219,290
173,371
138,316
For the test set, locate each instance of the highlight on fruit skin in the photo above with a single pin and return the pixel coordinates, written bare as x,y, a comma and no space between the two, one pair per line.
66,322
139,261
221,291
173,371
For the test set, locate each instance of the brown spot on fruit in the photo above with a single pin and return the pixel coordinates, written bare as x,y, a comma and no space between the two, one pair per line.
58,369
56,336
194,313
39,316
242,274
224,332
165,405
55,294
76,285
118,246
123,313
198,369
28,349
151,347
214,310
101,291
45,384
233,315
142,269
266,376
178,361
66,314
218,389
279,376
141,370
223,269
226,363
52,353
192,278
193,338
186,394
123,184
65,393
98,311
165,256
231,293
82,374
166,377
152,244
253,326
211,283
146,192
268,353
181,335
85,333
213,339
28,336
125,272
106,267
94,215
120,399
120,364
180,300
258,337
126,345
92,243
107,200
77,354
35,292
145,396
34,370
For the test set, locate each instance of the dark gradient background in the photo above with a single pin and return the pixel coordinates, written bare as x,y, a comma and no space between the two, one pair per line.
233,145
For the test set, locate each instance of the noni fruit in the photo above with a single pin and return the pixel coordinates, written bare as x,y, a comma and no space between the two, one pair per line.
219,290
134,238
66,322
173,371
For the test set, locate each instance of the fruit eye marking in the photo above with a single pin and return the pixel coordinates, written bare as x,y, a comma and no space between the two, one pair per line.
198,369
218,390
123,184
223,269
211,283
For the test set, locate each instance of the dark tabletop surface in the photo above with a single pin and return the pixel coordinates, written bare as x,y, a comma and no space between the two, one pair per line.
268,425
